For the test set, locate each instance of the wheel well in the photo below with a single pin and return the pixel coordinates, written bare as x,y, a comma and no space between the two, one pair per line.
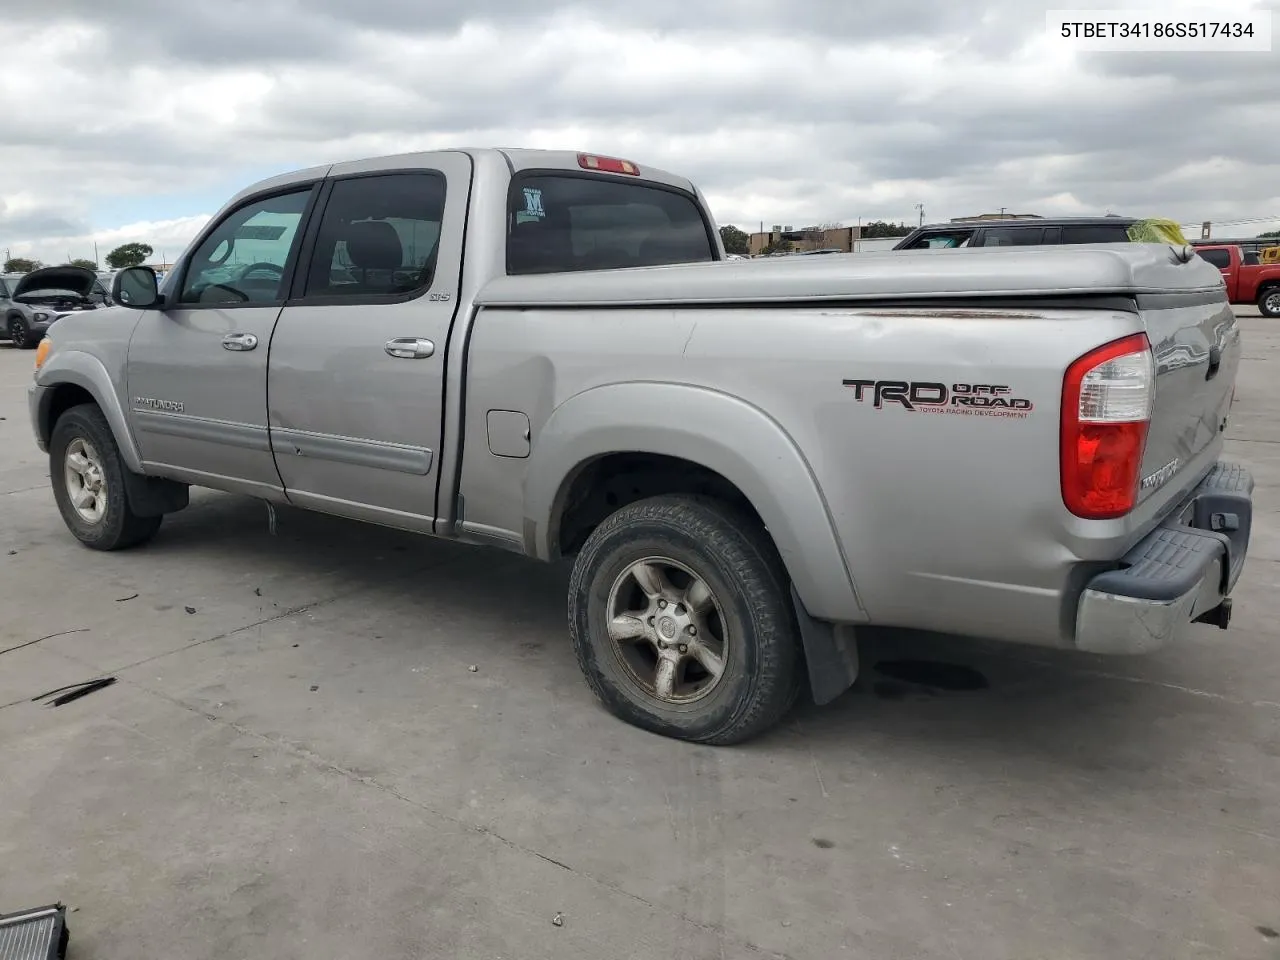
607,483
65,396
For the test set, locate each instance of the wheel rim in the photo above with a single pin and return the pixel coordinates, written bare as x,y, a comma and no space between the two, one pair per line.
86,480
1273,302
668,630
17,333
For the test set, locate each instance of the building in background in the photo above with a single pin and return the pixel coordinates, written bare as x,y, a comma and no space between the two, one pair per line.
806,239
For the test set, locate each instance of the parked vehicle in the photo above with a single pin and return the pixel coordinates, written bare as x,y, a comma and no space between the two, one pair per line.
42,296
746,462
1018,233
1246,282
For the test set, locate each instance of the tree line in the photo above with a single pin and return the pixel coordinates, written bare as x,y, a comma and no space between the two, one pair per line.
125,255
737,240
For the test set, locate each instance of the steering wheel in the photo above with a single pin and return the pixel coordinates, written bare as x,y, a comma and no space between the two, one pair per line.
263,265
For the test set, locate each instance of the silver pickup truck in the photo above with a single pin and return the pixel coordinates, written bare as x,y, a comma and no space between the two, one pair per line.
747,462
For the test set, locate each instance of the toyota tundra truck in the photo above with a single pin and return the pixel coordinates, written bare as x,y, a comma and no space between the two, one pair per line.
745,463
1245,282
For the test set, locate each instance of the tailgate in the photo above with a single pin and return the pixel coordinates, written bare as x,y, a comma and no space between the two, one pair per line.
1196,343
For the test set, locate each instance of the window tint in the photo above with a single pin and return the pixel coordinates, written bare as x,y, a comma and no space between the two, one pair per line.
942,241
1013,237
4,289
1096,233
379,236
1219,258
243,259
566,223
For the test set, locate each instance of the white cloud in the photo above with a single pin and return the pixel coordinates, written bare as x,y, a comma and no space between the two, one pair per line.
818,112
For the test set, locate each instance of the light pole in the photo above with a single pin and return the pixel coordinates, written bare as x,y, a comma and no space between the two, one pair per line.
920,207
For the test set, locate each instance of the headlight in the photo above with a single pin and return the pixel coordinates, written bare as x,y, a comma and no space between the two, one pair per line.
39,317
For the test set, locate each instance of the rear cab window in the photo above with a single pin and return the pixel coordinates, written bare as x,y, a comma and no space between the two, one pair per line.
569,222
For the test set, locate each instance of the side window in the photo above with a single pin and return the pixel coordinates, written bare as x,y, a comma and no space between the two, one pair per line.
1013,237
565,223
379,236
1095,233
1219,258
942,241
243,260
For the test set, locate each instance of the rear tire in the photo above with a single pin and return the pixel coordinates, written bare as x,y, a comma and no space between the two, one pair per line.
712,654
1269,302
20,334
88,477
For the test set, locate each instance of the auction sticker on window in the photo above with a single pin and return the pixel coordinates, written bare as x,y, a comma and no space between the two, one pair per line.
1224,28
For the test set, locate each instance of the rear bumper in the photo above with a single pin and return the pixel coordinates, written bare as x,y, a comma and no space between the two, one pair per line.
1182,571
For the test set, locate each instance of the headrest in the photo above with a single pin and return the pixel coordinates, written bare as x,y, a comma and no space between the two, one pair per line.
374,245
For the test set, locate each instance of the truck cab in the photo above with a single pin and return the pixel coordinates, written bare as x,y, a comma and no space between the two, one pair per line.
1248,280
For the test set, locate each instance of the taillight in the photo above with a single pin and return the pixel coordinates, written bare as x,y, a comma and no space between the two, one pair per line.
588,161
1106,410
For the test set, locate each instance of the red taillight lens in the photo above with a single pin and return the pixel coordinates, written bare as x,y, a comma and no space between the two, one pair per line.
1106,410
589,161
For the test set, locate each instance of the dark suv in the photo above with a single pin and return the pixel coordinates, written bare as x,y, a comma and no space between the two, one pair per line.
1018,233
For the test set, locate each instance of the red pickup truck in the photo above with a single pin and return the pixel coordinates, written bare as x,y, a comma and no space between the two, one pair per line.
1247,280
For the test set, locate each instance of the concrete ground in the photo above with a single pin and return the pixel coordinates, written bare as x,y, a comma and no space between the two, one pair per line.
297,761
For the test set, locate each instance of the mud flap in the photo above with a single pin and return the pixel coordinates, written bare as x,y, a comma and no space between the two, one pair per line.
153,496
831,652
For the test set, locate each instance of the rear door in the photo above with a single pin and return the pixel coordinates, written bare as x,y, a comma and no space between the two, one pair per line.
356,379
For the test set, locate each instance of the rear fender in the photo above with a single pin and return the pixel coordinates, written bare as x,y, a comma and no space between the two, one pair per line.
716,431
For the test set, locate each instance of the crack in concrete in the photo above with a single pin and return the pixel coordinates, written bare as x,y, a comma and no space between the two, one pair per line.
324,764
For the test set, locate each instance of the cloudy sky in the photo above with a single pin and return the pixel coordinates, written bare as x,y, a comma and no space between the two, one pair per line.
136,119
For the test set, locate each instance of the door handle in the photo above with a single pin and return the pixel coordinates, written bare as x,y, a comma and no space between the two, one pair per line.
239,341
410,348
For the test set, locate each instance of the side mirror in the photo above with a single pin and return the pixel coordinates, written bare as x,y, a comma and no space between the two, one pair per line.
136,287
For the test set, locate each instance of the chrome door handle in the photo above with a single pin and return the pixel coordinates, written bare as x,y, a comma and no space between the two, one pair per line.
410,348
239,341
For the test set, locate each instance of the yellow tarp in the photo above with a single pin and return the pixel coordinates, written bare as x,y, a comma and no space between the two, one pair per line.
1157,231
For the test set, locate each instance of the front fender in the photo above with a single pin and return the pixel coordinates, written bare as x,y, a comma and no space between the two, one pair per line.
86,371
719,432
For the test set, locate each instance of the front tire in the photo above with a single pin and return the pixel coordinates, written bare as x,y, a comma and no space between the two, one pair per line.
88,478
681,619
20,334
1269,302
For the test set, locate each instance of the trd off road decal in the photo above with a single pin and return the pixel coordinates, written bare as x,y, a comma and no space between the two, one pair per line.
959,399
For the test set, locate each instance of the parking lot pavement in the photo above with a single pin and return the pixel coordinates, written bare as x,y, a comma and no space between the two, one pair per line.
297,760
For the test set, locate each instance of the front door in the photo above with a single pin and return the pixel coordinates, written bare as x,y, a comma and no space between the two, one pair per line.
356,381
197,371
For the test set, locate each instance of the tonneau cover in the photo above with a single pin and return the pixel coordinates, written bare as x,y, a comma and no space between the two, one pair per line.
1125,269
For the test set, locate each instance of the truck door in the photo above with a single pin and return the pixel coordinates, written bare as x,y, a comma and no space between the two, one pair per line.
356,378
197,370
1221,258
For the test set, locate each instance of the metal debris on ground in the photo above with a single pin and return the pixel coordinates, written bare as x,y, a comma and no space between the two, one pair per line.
39,933
558,920
74,691
473,668
30,643
132,596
